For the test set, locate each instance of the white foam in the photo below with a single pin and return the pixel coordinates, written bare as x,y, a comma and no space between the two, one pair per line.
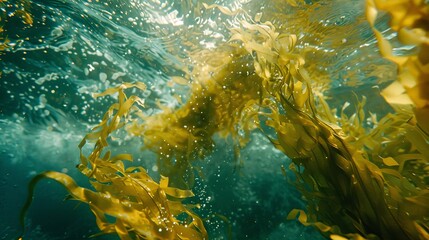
103,76
57,32
47,77
117,75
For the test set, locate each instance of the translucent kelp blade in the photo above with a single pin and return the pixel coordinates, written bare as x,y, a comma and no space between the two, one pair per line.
128,216
409,20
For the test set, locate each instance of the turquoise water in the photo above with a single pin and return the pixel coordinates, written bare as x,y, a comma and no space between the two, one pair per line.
75,48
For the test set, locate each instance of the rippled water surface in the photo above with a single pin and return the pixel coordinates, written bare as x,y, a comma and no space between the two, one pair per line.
75,48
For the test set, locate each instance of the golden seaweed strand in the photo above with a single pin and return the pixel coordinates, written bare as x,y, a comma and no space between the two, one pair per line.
140,206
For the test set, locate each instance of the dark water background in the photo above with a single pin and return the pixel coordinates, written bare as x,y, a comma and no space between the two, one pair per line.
78,47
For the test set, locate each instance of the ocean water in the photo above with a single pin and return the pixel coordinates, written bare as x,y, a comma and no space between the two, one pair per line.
75,48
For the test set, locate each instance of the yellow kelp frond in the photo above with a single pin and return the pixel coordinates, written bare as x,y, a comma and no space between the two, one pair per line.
141,208
141,211
368,186
224,94
410,20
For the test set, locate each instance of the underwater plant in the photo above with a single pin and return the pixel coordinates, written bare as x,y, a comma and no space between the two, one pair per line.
360,180
126,201
410,20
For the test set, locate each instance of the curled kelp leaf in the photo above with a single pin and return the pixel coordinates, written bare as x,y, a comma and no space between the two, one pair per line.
140,207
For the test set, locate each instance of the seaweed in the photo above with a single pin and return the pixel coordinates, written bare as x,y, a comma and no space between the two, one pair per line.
140,207
355,186
217,105
410,20
358,181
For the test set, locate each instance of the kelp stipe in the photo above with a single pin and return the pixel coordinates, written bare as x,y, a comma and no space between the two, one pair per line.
141,208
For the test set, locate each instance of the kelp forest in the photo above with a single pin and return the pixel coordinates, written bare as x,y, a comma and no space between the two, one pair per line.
362,175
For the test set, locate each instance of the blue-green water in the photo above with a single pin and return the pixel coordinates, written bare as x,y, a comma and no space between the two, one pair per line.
77,47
